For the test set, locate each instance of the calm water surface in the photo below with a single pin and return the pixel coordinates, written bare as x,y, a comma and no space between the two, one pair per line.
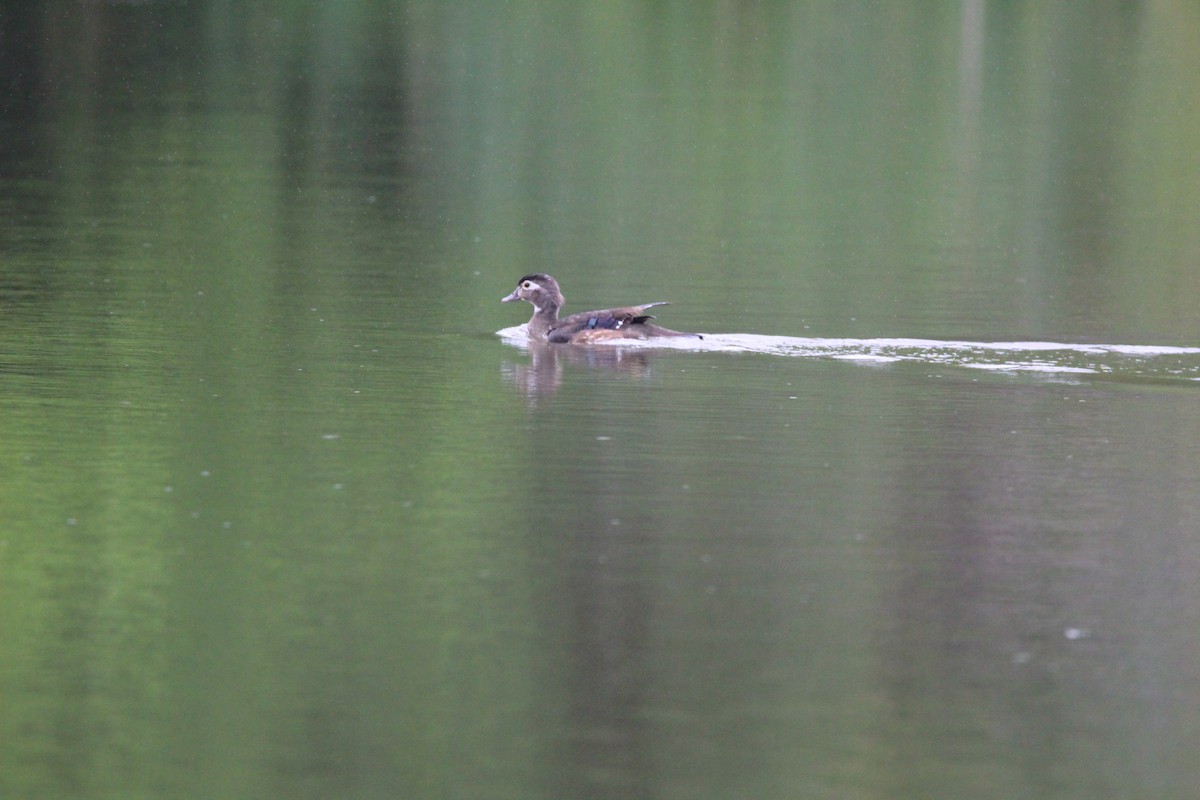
291,508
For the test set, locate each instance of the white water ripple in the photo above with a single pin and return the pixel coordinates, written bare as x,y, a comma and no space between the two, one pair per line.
1032,356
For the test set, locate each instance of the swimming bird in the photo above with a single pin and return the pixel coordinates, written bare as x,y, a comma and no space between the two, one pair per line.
542,292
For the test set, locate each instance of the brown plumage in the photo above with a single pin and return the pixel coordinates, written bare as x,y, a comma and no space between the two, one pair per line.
542,292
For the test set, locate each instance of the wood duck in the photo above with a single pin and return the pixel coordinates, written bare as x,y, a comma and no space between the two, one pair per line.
542,292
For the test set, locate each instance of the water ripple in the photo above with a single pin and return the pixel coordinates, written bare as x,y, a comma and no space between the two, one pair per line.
1143,361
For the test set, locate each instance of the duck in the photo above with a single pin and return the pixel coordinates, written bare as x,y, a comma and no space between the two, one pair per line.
542,292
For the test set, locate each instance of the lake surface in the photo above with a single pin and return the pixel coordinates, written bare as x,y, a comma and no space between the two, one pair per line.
291,507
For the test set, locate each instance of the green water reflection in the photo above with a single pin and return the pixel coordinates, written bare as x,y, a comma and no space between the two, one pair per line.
282,517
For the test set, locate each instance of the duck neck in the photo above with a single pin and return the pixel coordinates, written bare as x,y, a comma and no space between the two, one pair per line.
544,318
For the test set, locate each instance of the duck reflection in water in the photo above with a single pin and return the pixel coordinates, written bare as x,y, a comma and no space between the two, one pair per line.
543,375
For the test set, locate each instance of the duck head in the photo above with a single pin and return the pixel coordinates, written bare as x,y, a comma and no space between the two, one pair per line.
539,290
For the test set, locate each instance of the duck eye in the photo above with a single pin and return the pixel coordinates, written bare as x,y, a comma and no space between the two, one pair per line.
526,285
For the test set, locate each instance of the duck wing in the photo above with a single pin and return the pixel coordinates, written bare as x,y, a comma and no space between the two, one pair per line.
612,319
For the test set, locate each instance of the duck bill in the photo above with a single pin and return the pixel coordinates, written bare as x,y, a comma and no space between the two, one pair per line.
510,298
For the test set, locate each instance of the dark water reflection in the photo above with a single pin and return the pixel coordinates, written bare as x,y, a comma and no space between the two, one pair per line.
962,604
282,517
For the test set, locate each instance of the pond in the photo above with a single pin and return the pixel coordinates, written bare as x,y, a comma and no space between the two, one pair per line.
292,506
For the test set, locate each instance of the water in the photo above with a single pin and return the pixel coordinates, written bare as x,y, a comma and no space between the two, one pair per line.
282,515
912,578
